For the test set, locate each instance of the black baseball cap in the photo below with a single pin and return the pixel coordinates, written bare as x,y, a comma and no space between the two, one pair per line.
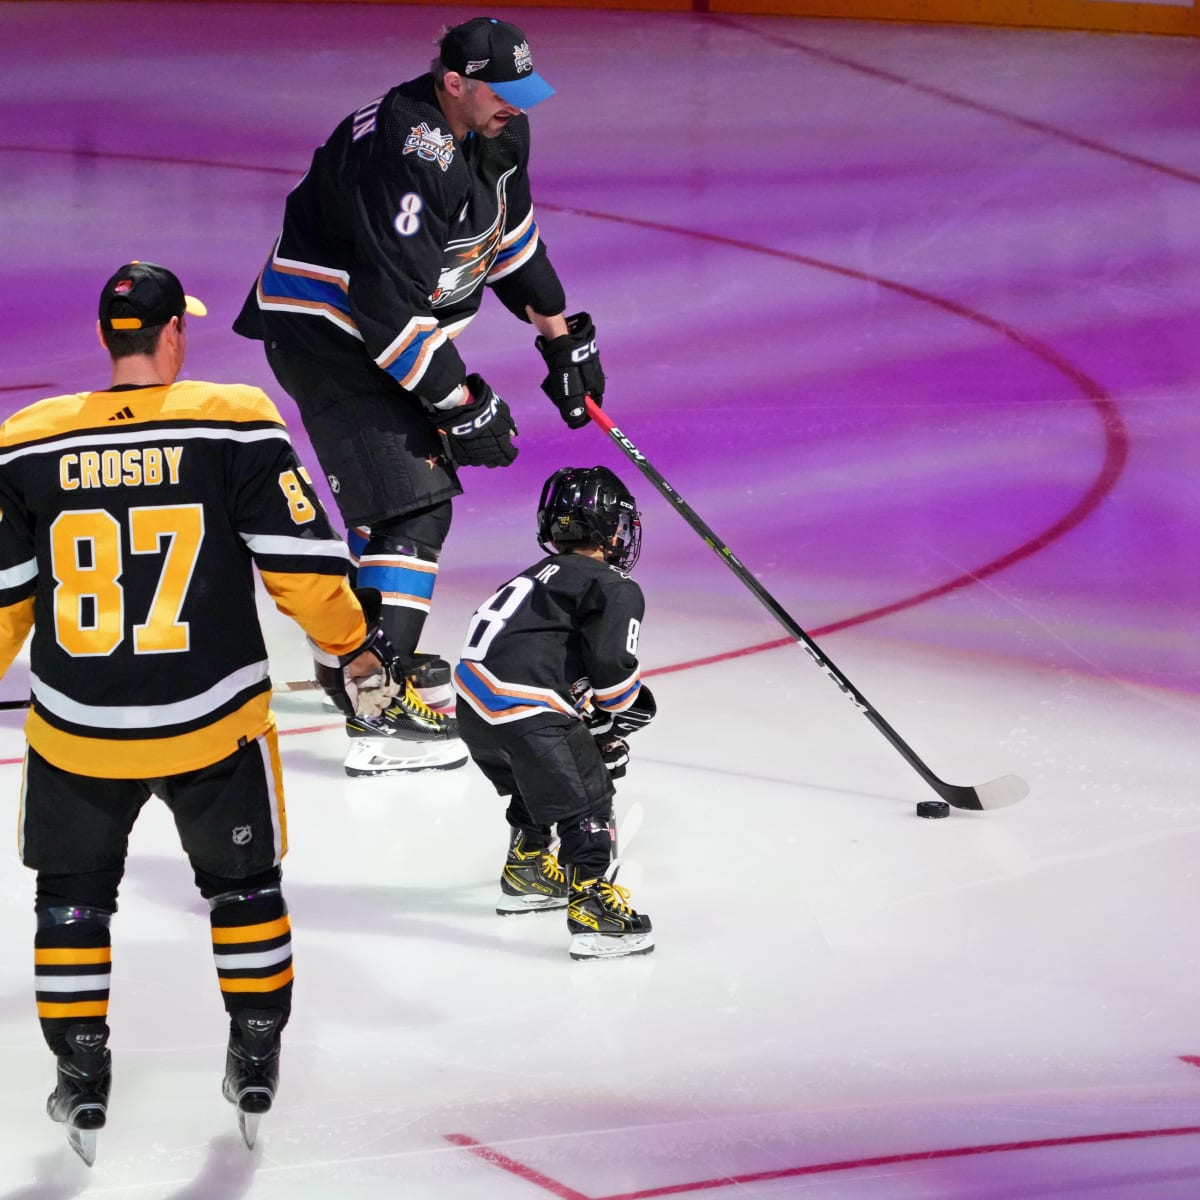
498,53
142,295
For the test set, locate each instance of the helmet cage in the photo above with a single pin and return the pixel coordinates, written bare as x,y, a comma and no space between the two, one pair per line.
590,505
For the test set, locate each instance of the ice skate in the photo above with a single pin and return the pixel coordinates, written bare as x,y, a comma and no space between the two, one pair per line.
406,736
532,880
430,677
407,718
252,1067
369,756
80,1100
601,922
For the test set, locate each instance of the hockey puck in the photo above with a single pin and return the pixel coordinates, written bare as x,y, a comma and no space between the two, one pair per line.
933,808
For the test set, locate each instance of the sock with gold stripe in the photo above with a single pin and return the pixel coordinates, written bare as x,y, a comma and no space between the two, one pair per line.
252,949
72,956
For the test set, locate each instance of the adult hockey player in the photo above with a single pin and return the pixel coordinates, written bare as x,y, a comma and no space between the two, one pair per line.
417,200
549,687
132,519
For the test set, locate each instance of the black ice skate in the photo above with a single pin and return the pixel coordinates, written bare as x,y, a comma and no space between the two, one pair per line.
601,922
532,880
407,736
430,676
80,1101
252,1067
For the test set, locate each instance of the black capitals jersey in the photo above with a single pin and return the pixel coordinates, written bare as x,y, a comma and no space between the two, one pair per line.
559,636
389,238
131,521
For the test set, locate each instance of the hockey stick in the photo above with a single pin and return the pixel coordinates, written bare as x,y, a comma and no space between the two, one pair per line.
279,689
997,793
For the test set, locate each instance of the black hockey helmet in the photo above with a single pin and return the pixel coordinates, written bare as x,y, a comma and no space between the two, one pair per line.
590,505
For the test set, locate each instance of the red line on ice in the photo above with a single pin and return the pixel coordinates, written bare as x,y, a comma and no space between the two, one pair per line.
850,1164
1116,438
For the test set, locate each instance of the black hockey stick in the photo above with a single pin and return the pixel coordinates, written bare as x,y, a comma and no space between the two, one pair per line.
997,793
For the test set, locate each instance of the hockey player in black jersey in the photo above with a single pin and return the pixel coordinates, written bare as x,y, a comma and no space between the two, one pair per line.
133,518
416,201
549,687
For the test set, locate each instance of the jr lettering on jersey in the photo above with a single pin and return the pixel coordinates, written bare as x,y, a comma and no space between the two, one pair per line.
148,467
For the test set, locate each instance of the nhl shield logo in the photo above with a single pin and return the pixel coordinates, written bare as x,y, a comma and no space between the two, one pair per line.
431,145
522,59
242,835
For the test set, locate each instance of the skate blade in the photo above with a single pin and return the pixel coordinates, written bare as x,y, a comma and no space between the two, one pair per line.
83,1142
511,906
248,1124
378,756
596,945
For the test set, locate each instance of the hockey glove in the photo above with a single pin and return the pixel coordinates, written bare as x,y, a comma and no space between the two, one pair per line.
360,683
615,753
479,434
575,371
637,716
604,724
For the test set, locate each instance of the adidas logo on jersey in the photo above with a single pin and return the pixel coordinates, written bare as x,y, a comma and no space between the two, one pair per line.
126,414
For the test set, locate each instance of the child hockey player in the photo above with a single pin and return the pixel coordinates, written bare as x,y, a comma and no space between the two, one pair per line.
550,686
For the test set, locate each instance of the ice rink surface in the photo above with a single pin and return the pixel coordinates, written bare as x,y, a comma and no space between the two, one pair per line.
909,315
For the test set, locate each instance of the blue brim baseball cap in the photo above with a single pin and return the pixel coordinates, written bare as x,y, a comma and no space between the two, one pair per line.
498,54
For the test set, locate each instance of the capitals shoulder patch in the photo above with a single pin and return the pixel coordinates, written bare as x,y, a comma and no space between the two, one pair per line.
430,144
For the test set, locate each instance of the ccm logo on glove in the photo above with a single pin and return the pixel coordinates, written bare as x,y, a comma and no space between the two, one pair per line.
469,427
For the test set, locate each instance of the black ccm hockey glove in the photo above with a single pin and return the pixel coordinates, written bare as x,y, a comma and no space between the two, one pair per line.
615,753
609,730
370,687
614,750
575,371
637,716
479,434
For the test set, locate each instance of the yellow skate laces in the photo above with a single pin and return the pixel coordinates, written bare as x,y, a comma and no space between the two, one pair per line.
550,867
417,706
613,896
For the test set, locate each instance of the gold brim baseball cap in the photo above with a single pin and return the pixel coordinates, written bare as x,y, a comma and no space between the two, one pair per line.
143,295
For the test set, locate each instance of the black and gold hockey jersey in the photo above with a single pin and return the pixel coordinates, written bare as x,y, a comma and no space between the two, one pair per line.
131,521
558,637
389,238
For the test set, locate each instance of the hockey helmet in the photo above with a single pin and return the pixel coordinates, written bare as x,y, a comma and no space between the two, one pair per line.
590,505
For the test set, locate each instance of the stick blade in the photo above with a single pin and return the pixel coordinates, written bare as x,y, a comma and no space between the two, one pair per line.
1000,793
996,793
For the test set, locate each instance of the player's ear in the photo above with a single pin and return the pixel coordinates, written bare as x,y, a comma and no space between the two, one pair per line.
100,337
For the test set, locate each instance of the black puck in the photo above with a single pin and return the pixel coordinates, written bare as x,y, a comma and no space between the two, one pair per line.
933,808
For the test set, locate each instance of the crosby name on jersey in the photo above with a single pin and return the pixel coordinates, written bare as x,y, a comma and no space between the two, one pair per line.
147,656
150,465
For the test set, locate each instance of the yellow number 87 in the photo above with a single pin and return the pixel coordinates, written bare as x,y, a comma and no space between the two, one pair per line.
89,597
